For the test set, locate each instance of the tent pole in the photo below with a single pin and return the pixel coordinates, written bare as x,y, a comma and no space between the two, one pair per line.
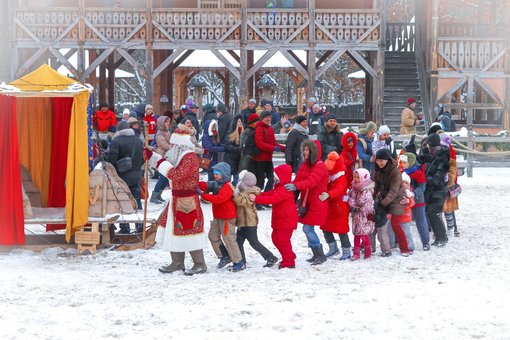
146,175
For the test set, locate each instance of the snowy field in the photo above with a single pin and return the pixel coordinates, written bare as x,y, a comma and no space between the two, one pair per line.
461,291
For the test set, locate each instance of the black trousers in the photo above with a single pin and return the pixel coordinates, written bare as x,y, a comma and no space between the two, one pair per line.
344,239
250,234
134,187
264,170
435,222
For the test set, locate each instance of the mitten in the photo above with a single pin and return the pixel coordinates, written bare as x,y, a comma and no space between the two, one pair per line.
324,196
290,187
199,192
277,148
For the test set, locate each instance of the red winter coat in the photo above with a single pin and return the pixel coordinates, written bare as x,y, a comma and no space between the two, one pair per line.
338,211
223,207
265,142
349,156
103,121
314,179
284,212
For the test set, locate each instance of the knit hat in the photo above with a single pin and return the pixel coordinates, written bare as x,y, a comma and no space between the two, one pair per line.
126,111
383,154
411,158
312,100
221,108
383,129
410,101
403,158
246,180
148,106
434,128
316,106
300,119
132,121
263,102
183,107
264,114
253,118
331,160
223,168
103,105
253,100
406,178
122,126
331,116
371,126
434,140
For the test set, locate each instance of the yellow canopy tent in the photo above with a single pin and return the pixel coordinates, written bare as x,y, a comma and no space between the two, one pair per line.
34,109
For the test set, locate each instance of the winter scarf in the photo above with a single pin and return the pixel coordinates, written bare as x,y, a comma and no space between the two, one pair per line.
301,130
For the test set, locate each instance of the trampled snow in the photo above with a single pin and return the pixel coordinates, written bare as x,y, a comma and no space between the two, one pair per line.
460,291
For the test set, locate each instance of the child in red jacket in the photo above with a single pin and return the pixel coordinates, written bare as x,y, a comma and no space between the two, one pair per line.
284,217
406,219
224,217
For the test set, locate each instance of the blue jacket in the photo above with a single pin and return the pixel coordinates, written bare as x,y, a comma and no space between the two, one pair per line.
365,155
210,145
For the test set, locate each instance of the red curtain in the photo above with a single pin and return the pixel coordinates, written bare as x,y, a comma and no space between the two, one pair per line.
11,202
61,119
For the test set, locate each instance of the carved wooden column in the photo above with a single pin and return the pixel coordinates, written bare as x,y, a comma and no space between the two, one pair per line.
149,56
111,81
243,64
311,53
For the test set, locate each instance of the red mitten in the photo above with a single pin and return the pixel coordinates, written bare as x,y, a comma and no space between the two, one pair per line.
147,154
202,186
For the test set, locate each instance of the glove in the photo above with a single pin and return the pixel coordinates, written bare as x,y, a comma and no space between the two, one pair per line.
206,152
345,198
202,186
290,187
147,153
388,141
404,201
199,192
236,192
324,196
277,148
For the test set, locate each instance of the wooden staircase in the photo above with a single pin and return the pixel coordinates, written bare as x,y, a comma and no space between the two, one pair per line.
400,83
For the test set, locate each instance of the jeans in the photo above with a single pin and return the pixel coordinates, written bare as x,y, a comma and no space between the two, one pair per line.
311,236
344,239
421,224
161,184
250,234
382,236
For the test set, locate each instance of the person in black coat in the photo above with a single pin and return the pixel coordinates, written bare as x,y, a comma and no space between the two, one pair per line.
436,160
248,147
330,137
316,119
296,136
122,146
209,114
224,122
192,115
245,113
233,148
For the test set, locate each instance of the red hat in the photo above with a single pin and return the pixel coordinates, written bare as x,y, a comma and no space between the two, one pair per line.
410,101
253,118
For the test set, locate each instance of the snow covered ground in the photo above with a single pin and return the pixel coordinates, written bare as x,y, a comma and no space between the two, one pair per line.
461,291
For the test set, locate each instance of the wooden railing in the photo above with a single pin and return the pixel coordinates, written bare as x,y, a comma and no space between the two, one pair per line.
470,52
400,37
470,30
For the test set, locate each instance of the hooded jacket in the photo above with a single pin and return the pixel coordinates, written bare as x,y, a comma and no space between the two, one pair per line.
312,176
284,212
365,153
388,187
246,211
265,142
103,121
122,146
211,143
194,120
349,156
331,140
293,146
162,136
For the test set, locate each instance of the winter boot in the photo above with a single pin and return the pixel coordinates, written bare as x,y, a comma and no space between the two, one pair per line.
176,265
271,262
139,227
319,256
311,259
237,267
124,228
346,253
355,253
155,197
333,249
368,252
161,198
199,266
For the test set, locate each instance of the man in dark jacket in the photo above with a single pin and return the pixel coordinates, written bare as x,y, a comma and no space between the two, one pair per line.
126,144
252,108
295,137
209,114
224,122
192,115
248,147
316,119
330,137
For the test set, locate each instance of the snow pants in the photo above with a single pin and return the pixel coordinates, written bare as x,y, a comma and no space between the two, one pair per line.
281,240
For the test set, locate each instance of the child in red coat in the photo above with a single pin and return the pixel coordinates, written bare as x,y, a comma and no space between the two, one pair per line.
350,155
224,217
284,217
406,219
338,209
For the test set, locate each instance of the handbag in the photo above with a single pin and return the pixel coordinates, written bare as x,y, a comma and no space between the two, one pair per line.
301,205
204,163
126,163
143,189
454,191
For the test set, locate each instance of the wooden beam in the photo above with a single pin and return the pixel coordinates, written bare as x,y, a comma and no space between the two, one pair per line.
489,91
261,62
132,61
163,30
231,29
92,67
296,58
26,30
65,62
227,63
452,89
95,30
368,32
294,63
323,58
494,60
358,58
234,55
326,31
166,62
182,58
28,63
255,28
330,62
111,82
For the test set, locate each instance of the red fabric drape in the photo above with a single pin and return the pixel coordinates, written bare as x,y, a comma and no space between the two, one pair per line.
11,202
61,114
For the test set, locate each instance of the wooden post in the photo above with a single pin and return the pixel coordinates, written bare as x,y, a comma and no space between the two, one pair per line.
149,58
378,86
111,81
469,157
434,78
13,39
81,41
250,80
506,110
311,53
243,63
102,82
171,93
226,92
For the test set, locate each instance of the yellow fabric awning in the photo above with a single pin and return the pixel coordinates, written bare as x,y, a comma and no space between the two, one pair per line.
43,79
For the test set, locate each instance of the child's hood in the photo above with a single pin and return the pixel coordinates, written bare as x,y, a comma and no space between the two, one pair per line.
224,170
246,180
284,173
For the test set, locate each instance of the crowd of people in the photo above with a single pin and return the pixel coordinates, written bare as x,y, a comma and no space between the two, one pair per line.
328,179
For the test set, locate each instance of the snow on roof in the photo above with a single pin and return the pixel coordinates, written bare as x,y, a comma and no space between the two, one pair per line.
357,75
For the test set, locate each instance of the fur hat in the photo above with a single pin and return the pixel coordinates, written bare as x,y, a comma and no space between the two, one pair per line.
411,158
371,126
185,129
246,180
300,119
132,121
410,101
406,178
434,140
264,114
383,129
383,154
122,126
253,100
253,118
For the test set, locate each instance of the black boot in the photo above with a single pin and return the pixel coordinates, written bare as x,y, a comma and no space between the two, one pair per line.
124,228
319,256
225,258
154,197
311,259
